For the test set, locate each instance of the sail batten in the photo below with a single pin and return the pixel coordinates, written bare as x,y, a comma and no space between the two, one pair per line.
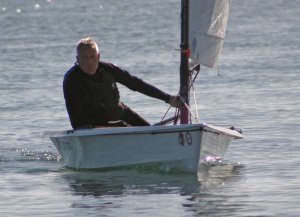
207,27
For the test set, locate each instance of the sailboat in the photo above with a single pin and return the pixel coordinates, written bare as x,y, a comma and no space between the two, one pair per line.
182,145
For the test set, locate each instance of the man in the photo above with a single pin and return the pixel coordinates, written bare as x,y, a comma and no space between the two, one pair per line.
91,94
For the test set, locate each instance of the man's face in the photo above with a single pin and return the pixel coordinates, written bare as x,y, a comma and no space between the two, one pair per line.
88,60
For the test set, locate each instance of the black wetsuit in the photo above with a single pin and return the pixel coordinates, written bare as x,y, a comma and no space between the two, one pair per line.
95,100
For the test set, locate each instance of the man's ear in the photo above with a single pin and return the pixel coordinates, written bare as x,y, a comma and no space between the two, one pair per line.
77,59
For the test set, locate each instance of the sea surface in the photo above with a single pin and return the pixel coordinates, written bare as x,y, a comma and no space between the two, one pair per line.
257,89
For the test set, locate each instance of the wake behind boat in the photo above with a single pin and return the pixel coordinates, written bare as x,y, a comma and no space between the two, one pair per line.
181,146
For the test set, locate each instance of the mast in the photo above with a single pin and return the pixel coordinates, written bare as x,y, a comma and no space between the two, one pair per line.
184,58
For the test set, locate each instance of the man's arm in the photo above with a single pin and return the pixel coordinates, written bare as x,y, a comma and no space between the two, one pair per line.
136,84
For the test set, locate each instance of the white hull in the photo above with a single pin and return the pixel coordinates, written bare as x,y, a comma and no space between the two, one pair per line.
181,146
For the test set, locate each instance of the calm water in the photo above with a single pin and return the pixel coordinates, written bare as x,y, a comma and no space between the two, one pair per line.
258,90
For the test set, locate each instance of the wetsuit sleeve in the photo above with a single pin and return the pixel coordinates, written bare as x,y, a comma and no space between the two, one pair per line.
136,84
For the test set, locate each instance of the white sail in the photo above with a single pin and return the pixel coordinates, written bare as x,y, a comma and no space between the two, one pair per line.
207,27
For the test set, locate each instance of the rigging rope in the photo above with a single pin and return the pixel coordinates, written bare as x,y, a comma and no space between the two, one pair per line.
196,69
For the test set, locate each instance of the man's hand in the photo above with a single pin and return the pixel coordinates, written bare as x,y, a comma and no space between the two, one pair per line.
175,101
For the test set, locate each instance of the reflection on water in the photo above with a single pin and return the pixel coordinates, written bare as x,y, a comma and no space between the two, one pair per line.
127,182
117,181
214,197
197,191
211,176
